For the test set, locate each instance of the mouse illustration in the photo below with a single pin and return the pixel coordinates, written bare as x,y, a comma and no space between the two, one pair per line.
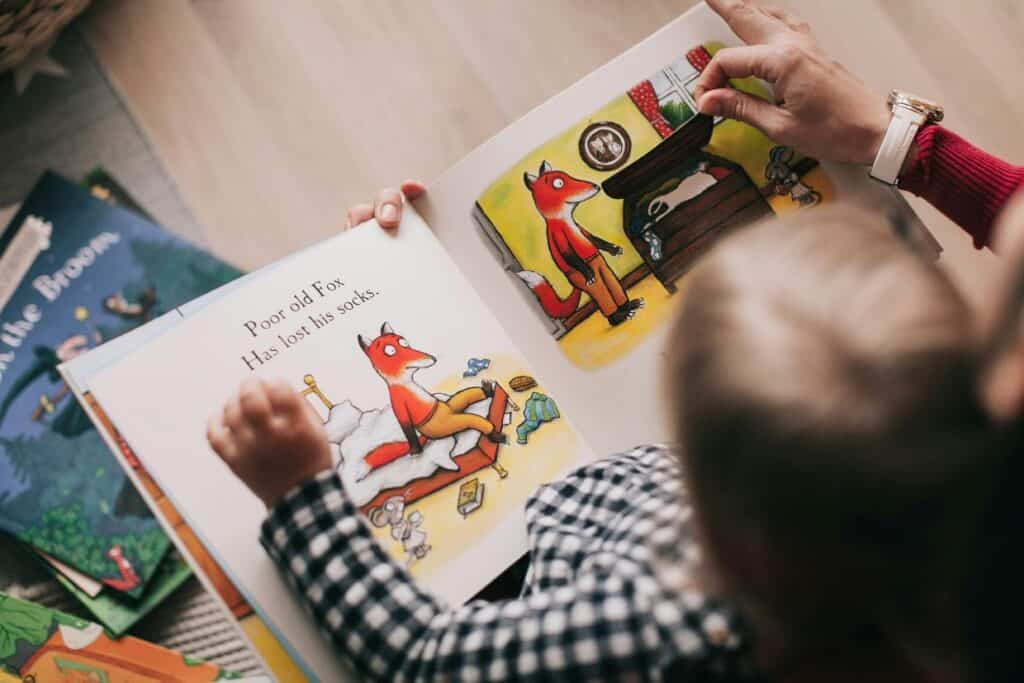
783,179
404,530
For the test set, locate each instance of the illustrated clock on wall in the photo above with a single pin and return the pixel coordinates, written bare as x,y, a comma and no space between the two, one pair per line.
605,145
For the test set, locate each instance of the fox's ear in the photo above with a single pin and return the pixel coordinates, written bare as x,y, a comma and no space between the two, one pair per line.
544,167
529,179
386,329
363,344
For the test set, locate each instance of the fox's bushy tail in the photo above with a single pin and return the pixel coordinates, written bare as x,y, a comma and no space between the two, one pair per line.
387,453
553,305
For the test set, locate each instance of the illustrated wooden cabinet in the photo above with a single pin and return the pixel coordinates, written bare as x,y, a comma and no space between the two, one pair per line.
678,200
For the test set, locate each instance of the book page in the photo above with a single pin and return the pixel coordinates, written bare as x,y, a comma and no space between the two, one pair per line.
579,222
271,646
344,323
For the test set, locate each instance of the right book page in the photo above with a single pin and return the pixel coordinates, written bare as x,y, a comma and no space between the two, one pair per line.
579,222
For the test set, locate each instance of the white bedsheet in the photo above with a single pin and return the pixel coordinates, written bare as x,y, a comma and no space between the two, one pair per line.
354,433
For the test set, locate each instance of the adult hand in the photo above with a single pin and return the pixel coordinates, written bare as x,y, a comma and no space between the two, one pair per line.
820,108
386,206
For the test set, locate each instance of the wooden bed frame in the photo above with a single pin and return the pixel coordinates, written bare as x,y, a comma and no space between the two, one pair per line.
484,454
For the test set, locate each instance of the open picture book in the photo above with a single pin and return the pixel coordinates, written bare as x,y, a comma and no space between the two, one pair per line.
511,329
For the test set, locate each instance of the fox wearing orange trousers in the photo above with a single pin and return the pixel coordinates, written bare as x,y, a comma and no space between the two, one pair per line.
417,410
575,251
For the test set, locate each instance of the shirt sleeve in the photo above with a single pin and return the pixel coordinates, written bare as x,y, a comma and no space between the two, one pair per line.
965,183
602,627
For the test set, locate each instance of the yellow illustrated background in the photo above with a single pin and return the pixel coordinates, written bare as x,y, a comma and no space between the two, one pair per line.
266,643
550,451
509,206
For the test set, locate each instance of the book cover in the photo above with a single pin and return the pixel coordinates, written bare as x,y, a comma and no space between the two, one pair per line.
42,644
74,272
118,612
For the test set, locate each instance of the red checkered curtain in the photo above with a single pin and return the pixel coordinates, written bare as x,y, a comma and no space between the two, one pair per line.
699,58
646,101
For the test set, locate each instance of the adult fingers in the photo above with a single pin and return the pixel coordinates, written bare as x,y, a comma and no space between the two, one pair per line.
387,208
360,213
747,20
733,104
413,189
792,21
764,61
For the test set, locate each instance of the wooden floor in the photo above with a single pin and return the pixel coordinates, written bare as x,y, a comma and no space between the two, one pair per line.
274,117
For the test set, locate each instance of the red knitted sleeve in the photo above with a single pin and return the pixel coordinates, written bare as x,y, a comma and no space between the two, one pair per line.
965,183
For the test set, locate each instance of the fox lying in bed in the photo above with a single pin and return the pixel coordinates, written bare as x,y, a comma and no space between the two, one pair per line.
420,414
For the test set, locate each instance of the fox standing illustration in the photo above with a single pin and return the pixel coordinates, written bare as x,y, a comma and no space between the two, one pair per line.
420,414
575,251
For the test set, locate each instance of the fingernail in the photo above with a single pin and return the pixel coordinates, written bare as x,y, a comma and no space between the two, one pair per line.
709,107
388,212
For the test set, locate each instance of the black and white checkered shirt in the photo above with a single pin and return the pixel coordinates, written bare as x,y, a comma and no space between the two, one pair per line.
604,543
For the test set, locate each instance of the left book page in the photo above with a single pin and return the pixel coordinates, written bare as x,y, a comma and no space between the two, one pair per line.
453,513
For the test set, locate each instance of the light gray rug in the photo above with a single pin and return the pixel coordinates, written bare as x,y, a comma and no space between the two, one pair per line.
72,125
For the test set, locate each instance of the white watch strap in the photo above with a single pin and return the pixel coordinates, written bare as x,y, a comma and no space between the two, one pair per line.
896,144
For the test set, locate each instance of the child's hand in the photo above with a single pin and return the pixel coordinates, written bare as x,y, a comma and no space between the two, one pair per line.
387,207
270,438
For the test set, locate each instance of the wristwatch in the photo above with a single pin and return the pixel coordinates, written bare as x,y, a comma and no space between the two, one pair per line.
909,113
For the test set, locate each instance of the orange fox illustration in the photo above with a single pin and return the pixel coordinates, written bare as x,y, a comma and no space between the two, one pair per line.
575,251
420,414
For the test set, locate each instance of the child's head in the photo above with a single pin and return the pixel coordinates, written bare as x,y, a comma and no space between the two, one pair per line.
834,448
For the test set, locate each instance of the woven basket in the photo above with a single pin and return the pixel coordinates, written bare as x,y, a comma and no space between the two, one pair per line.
28,24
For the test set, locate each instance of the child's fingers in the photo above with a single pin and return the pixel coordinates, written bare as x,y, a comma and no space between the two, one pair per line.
241,433
413,189
309,412
283,399
220,439
233,414
360,213
387,208
253,401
